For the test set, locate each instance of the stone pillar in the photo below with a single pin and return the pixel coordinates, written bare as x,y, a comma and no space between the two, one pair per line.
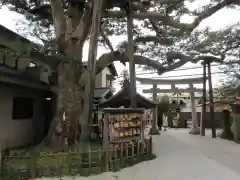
236,122
154,129
195,129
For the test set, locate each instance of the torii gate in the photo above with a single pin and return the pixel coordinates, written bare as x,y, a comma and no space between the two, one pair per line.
195,129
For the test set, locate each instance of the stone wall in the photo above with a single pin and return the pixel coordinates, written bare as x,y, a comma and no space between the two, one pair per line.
218,119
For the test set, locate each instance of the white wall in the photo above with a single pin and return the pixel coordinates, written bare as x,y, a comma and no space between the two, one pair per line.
100,80
15,133
104,76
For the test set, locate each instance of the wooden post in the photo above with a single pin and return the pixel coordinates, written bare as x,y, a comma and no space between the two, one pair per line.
150,147
89,161
236,122
203,114
142,128
1,161
194,129
105,140
154,129
227,125
133,154
126,152
121,154
93,51
131,55
110,159
212,113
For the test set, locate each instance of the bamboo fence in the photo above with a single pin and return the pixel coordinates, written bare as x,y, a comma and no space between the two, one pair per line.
75,163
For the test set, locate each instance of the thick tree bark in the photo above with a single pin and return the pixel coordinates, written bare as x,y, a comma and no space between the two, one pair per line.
70,124
72,106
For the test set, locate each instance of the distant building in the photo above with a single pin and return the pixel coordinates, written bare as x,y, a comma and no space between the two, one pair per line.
106,77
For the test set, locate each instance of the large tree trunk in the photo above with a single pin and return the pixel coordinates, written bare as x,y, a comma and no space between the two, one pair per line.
70,124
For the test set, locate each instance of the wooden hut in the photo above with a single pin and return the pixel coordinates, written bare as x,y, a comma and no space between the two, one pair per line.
122,98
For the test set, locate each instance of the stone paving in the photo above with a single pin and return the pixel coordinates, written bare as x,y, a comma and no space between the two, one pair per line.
181,156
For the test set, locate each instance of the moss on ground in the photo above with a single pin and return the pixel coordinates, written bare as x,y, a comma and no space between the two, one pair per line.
44,161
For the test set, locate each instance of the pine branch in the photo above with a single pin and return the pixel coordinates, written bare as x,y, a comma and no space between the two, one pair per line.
106,39
168,20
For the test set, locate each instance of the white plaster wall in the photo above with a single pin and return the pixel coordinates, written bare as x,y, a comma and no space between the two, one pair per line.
100,80
104,75
15,133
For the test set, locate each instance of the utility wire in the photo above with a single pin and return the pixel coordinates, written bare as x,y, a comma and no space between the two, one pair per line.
187,68
187,75
180,69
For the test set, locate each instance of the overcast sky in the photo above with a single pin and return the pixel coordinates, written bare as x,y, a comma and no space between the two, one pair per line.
221,19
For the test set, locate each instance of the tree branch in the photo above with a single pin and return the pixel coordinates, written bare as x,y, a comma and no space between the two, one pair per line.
106,39
83,27
168,20
58,18
108,58
162,40
210,11
155,27
111,57
144,39
208,58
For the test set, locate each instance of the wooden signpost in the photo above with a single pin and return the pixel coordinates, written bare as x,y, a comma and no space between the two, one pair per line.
121,126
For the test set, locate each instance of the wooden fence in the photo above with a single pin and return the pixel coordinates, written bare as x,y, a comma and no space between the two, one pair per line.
73,163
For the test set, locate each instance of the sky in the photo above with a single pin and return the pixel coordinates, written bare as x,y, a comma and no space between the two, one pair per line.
219,20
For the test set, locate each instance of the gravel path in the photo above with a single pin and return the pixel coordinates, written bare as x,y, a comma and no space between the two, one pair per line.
181,156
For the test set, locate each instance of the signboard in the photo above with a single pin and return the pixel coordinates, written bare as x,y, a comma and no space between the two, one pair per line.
123,124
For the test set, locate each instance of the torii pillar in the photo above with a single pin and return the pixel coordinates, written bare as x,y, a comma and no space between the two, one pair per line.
154,129
195,129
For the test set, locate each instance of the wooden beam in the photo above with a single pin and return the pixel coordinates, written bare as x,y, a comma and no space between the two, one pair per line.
172,90
170,81
25,83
